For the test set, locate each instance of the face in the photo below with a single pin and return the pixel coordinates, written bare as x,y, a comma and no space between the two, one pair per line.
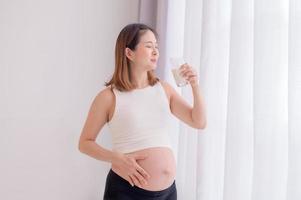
146,53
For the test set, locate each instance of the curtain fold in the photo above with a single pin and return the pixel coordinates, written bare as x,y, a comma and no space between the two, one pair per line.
294,99
239,149
270,99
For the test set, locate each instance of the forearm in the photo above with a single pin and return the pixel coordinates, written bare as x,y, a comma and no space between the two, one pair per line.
94,150
198,111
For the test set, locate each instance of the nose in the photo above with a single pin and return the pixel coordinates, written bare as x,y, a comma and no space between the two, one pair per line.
155,51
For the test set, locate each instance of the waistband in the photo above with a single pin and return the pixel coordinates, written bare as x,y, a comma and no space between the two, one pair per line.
119,180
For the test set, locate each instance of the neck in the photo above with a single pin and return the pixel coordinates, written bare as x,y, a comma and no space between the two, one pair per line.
141,83
139,79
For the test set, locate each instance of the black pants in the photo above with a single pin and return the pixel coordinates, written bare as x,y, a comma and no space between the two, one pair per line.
118,188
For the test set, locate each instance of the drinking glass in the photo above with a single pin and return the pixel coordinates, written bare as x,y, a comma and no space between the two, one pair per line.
176,63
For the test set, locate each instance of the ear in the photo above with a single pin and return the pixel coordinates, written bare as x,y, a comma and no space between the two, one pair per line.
129,53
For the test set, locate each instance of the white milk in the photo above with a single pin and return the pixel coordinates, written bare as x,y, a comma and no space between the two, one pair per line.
175,69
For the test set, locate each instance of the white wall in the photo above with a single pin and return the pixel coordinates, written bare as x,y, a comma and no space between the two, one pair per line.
54,58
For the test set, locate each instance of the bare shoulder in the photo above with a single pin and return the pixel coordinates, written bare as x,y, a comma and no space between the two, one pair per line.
105,100
105,95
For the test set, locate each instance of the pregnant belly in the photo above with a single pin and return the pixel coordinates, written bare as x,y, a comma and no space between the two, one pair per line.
160,165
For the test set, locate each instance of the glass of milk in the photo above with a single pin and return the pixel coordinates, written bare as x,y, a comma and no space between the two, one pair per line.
176,63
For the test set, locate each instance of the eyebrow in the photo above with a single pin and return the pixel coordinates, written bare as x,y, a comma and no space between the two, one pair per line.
150,42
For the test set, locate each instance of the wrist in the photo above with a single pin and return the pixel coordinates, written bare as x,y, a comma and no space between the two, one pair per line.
115,156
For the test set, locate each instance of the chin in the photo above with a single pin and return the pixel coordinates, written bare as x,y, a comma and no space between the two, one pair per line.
153,66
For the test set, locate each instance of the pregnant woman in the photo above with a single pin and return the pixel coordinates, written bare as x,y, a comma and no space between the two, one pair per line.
137,107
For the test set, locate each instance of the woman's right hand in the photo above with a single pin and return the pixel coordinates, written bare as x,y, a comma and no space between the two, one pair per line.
126,166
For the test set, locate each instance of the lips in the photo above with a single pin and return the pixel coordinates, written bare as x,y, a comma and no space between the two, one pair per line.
154,60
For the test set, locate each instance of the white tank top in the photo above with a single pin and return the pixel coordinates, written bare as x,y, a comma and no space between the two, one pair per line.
141,119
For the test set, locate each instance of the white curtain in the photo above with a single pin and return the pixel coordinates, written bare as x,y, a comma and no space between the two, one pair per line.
247,54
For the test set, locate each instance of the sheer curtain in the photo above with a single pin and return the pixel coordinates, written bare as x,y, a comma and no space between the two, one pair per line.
247,54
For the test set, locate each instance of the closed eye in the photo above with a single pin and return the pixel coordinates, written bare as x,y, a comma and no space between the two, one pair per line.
152,47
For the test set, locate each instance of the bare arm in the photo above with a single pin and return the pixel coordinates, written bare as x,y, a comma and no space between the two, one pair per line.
193,116
198,110
96,119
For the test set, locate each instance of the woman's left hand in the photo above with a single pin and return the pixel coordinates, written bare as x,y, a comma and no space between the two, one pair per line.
189,73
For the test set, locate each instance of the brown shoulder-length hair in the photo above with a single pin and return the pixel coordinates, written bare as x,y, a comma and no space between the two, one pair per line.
129,37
